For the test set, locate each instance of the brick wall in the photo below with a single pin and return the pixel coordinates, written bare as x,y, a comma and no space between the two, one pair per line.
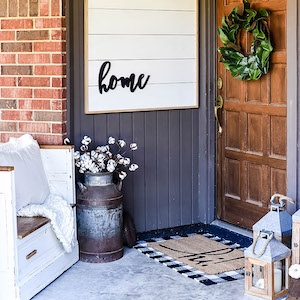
33,70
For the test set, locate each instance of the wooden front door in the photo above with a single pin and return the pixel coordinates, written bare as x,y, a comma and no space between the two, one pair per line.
252,149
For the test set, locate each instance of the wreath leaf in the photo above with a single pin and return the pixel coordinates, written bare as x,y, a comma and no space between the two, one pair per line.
257,63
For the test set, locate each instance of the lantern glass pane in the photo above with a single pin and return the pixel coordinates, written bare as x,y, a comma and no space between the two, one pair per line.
258,276
279,276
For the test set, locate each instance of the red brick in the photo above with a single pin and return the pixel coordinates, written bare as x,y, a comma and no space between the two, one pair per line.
44,8
55,7
6,136
59,105
50,70
34,58
23,8
58,34
50,23
59,82
3,8
7,35
16,70
59,128
34,81
17,24
7,59
33,8
7,81
50,139
16,47
49,93
32,35
34,104
59,58
16,115
34,127
13,8
49,116
8,104
8,126
49,46
16,93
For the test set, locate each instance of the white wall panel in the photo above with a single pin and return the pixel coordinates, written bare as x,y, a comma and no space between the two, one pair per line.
141,22
161,71
144,4
155,38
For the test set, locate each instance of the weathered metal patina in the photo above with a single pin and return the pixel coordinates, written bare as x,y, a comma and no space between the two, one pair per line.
100,219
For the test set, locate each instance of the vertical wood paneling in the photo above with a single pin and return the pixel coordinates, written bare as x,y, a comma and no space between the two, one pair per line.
162,165
150,170
174,184
293,107
174,169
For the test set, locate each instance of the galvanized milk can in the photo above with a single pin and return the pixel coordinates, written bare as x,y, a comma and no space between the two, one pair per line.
100,219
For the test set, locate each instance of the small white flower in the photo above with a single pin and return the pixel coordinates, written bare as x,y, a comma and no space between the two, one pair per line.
133,167
103,149
94,154
122,175
133,146
111,140
121,143
110,168
78,164
76,155
86,140
126,161
109,154
67,141
294,271
84,148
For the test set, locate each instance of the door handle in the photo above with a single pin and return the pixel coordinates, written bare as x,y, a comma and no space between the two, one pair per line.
219,105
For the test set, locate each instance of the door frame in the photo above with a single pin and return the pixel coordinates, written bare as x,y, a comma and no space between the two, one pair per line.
293,107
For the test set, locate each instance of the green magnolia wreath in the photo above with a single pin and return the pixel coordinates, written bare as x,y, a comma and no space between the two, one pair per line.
258,62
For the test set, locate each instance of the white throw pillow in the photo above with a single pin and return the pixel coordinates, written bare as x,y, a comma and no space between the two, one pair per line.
31,183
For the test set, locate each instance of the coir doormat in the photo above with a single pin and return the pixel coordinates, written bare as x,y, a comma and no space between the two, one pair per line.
202,253
186,270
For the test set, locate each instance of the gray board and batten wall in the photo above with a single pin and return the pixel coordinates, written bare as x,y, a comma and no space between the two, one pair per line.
175,184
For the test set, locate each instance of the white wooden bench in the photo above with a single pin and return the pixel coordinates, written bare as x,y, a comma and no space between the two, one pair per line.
31,256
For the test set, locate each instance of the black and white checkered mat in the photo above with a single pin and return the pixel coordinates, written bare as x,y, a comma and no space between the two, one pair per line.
189,271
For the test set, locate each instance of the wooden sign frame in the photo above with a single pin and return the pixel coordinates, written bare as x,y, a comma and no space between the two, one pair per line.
86,68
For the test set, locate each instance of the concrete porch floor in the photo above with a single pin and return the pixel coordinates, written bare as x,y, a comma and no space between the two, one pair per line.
135,276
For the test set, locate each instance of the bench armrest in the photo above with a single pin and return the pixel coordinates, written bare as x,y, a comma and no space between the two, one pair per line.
6,169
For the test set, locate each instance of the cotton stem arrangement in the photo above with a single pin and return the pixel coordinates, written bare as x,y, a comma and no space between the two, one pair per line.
107,158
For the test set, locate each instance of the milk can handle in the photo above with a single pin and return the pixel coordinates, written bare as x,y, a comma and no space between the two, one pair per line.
281,198
264,248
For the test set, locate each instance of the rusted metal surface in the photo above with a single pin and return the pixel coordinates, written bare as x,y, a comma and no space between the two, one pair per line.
100,219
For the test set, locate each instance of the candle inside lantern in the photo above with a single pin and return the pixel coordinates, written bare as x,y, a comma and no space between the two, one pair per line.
277,281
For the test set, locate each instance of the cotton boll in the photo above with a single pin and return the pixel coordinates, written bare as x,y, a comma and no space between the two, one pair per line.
84,148
76,155
133,167
110,168
109,154
133,146
112,162
103,149
122,175
67,141
126,161
111,140
86,140
294,271
121,143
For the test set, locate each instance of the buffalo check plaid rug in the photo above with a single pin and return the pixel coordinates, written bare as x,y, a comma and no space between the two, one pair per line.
189,271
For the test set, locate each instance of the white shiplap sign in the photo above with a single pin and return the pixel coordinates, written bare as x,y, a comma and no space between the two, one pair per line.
140,55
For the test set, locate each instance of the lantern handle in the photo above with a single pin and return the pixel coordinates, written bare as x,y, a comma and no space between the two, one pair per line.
270,236
281,198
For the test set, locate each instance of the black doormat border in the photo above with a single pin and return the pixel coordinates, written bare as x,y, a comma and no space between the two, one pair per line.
226,234
212,232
